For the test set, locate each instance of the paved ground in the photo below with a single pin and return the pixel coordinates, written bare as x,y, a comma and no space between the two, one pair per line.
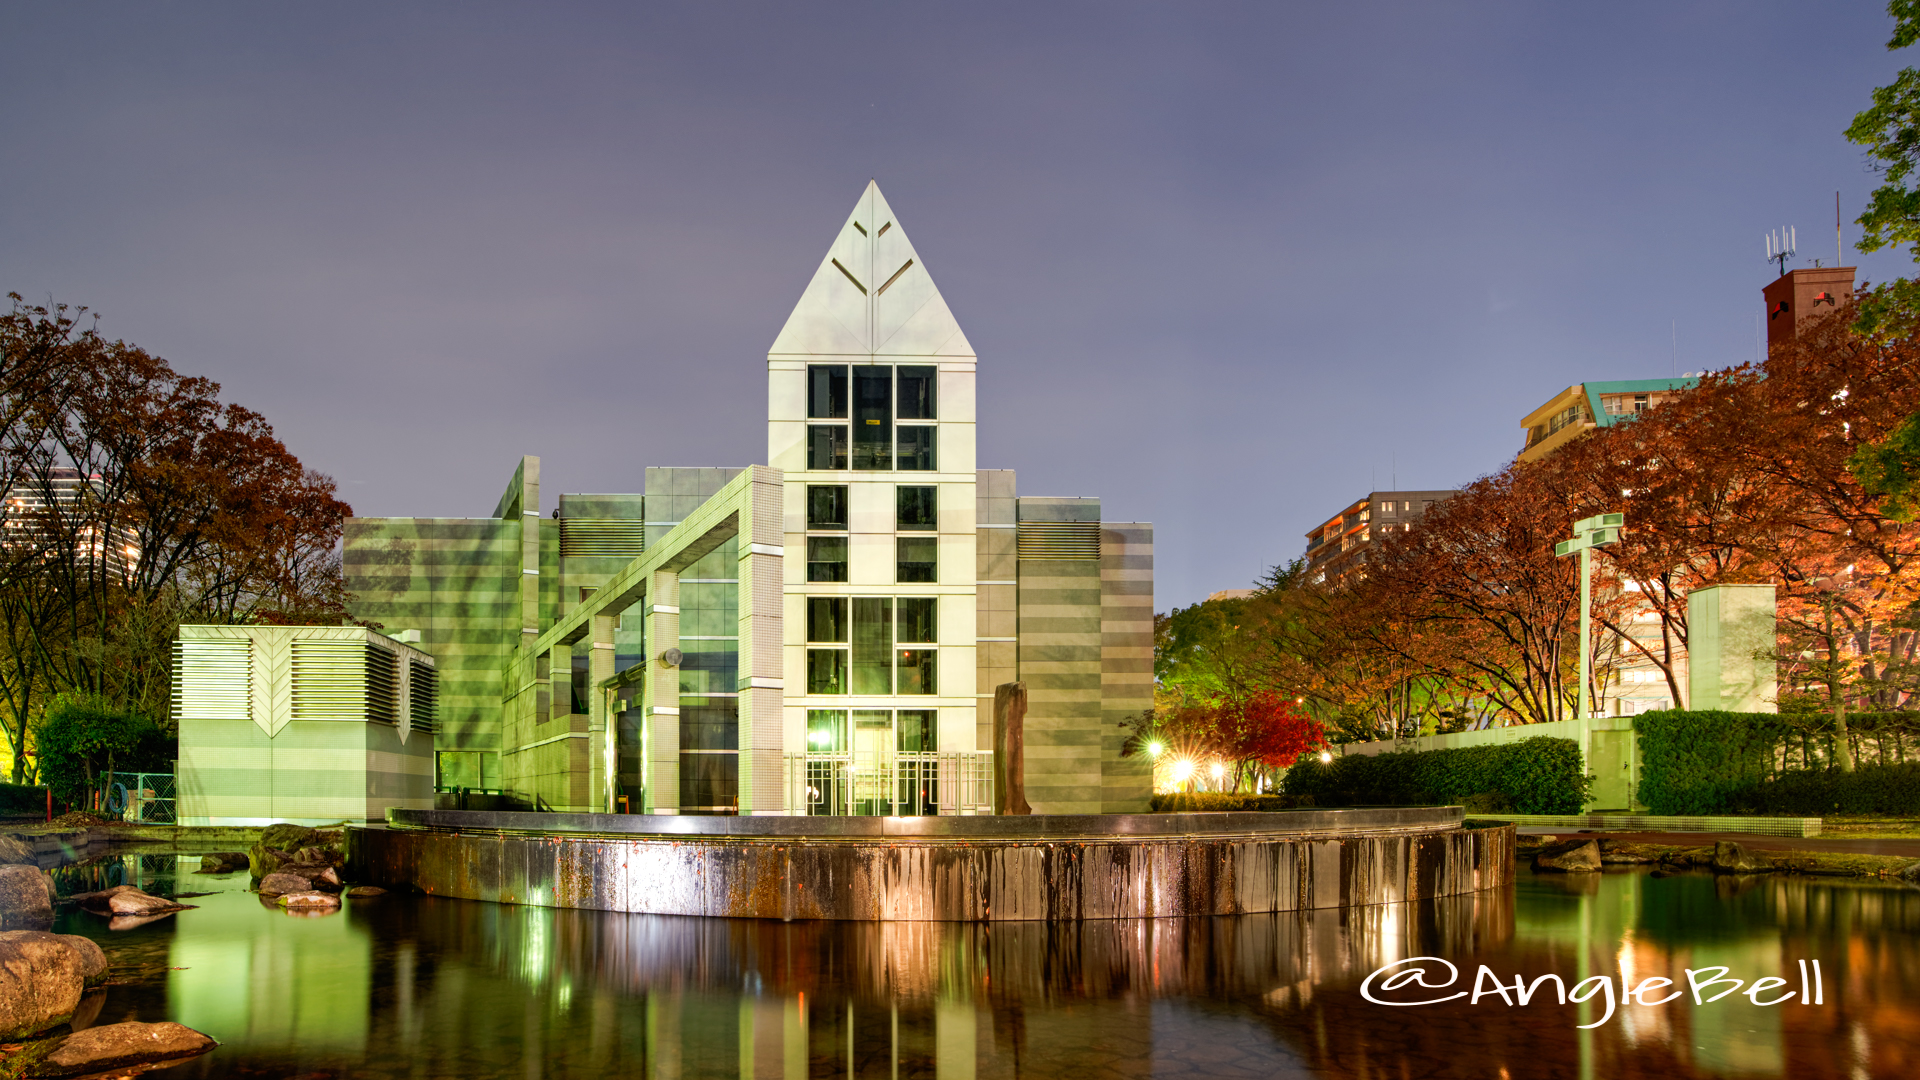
1906,848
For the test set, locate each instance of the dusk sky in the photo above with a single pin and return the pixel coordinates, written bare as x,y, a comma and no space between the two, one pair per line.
1226,266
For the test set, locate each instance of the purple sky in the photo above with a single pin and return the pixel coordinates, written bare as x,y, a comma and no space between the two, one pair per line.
1227,266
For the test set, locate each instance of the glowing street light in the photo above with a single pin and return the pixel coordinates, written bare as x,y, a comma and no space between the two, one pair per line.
1154,748
1326,757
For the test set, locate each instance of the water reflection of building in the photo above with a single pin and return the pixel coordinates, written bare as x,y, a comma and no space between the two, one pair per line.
440,987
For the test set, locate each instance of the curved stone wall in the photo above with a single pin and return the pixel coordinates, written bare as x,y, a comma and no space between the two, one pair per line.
964,869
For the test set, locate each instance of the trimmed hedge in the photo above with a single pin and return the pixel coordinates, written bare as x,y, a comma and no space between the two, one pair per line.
1698,762
1870,789
1541,775
1710,762
18,799
1182,802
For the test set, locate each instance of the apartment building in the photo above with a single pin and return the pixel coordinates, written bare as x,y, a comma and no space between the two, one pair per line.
1339,545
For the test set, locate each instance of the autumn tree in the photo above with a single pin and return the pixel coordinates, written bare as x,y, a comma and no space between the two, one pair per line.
138,500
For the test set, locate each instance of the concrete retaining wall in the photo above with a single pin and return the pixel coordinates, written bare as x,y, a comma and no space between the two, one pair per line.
1052,868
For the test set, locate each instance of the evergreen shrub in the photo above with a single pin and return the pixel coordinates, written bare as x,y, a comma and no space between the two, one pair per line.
1703,762
19,799
1870,789
1541,775
1696,762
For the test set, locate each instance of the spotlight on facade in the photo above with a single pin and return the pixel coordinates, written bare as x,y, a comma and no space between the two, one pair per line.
1182,771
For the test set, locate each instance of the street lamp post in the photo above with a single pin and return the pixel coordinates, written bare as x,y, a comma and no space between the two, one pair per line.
1599,530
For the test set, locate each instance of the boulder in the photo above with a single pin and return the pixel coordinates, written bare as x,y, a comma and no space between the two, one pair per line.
1731,858
26,898
1911,873
119,1048
40,982
93,962
135,902
311,899
12,851
280,883
317,856
367,892
286,837
223,862
1572,856
328,878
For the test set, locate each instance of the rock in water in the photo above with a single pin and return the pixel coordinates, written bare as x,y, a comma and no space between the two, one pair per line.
365,892
328,878
12,851
278,884
40,982
223,862
311,899
93,962
121,1046
1572,856
1731,858
135,902
26,903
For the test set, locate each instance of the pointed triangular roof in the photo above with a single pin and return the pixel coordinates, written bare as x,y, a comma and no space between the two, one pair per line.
871,296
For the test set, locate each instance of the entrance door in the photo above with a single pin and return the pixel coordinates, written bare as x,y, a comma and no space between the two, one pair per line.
872,761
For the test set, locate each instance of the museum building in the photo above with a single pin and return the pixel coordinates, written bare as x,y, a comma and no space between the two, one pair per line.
821,634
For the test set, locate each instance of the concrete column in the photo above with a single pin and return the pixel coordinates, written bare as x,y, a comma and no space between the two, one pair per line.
761,677
604,752
661,697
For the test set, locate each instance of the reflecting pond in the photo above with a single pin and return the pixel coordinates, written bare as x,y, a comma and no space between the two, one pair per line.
404,986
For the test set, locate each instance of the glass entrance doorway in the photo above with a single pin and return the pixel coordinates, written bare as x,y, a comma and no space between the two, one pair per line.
872,762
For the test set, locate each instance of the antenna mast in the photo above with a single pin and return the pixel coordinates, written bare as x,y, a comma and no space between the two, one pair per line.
1780,247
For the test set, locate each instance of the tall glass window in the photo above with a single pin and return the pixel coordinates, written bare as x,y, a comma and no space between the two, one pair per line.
827,392
873,417
917,507
916,448
826,446
916,392
709,683
826,506
917,559
872,644
826,624
915,670
826,558
826,731
917,730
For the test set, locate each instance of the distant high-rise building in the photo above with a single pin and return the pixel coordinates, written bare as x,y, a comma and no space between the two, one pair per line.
1338,546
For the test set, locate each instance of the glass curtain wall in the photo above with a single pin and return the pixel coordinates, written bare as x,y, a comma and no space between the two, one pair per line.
709,683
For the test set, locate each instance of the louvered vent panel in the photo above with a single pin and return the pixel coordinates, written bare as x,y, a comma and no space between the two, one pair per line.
601,537
423,686
212,680
330,680
1058,540
383,685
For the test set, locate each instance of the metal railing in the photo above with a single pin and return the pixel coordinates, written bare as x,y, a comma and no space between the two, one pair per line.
894,785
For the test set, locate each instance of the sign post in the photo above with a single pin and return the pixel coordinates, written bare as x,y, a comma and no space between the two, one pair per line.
1599,530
